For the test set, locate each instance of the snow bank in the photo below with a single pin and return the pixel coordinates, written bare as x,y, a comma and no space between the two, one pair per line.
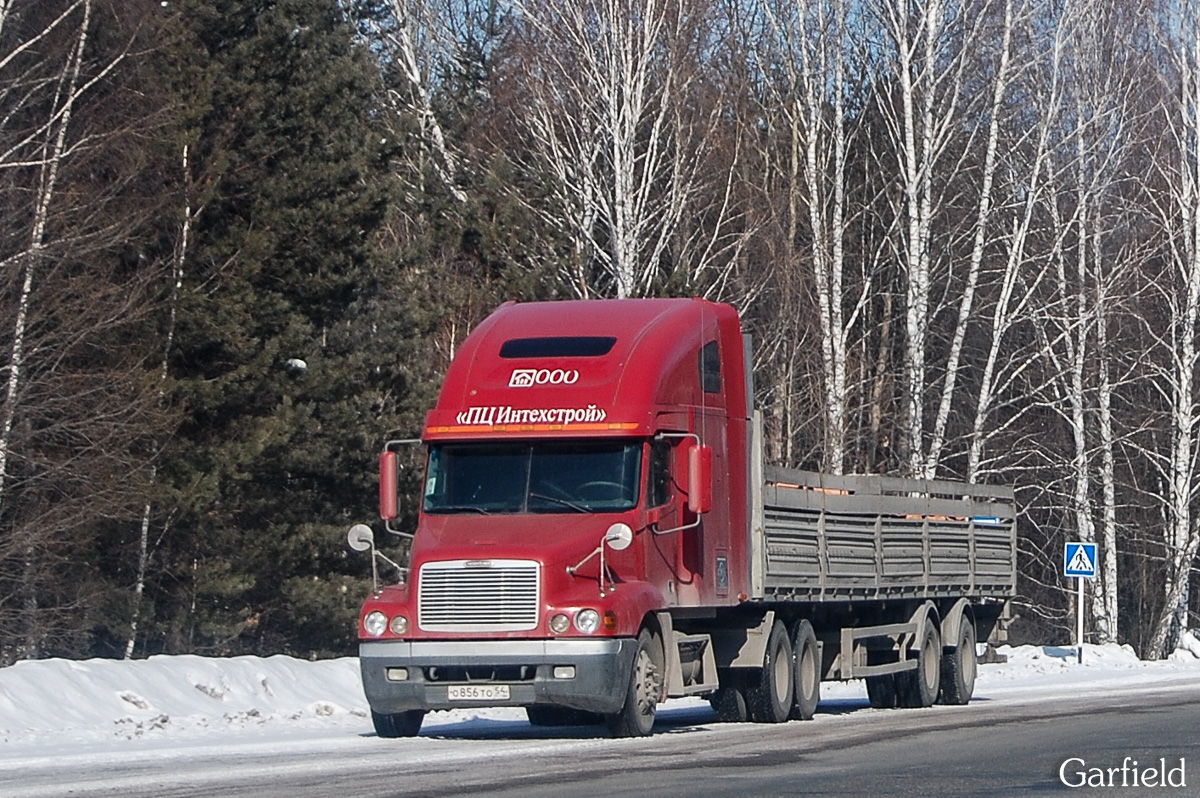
185,697
1189,647
167,695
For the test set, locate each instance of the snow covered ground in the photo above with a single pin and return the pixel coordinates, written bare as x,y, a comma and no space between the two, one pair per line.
49,708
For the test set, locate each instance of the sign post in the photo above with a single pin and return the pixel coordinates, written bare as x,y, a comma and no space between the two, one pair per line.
1079,561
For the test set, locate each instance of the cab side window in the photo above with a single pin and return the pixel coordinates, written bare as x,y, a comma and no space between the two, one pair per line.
660,474
710,368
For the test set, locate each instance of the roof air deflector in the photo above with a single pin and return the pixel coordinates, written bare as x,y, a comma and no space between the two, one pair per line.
557,346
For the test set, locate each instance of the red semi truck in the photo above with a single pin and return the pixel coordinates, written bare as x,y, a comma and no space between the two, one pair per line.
598,532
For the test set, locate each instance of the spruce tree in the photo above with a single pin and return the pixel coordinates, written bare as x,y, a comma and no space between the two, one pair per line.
281,396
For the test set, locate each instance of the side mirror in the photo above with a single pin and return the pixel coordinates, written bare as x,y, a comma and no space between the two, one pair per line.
619,536
389,488
700,460
360,537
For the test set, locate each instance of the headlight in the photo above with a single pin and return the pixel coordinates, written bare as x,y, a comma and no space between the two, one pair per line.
399,625
587,621
375,623
560,623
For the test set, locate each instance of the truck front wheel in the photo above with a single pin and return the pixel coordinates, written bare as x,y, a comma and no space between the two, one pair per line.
399,724
636,718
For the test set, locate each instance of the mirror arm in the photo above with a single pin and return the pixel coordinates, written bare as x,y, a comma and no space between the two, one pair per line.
696,523
683,528
400,533
605,572
390,562
571,569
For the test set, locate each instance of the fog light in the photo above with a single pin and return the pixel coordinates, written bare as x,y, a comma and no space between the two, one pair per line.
399,625
587,621
564,671
559,624
375,623
397,674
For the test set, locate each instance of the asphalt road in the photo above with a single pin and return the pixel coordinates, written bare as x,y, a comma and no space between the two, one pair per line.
990,748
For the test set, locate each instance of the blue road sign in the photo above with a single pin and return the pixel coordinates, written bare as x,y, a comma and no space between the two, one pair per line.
1079,559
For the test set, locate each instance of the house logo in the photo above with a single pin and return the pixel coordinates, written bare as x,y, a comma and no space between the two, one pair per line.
527,378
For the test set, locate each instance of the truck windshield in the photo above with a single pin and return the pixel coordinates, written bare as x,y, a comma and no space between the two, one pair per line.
535,477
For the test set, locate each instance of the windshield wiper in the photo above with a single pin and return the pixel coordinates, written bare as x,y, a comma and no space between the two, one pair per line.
579,508
458,508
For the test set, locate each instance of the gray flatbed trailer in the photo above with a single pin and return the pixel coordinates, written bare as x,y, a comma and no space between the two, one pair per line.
836,538
891,580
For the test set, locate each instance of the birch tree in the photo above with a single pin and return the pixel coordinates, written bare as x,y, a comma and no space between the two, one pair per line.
73,406
42,148
1179,215
994,118
419,45
914,39
609,122
933,116
813,45
1092,127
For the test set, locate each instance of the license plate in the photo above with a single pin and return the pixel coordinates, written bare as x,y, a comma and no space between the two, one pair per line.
479,692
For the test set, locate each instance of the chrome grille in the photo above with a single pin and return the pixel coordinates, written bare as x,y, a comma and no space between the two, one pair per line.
478,596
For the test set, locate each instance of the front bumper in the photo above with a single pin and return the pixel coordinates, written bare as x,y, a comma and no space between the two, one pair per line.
527,667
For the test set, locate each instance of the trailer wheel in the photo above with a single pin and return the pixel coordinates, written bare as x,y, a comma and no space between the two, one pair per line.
959,667
770,700
806,666
919,688
398,724
881,691
636,718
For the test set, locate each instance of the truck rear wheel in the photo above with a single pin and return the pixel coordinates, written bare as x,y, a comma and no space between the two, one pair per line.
770,700
544,715
881,691
806,666
729,701
636,718
919,688
398,724
959,667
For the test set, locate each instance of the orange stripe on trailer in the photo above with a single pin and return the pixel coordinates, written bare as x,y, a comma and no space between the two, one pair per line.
813,488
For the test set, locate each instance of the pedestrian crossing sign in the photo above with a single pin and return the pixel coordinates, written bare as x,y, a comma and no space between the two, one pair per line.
1079,559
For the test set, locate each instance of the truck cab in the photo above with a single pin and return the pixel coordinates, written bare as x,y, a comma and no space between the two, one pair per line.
573,456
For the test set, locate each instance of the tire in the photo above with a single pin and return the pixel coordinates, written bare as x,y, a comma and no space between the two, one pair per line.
545,715
806,666
881,691
399,724
919,688
959,667
730,705
770,699
636,718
